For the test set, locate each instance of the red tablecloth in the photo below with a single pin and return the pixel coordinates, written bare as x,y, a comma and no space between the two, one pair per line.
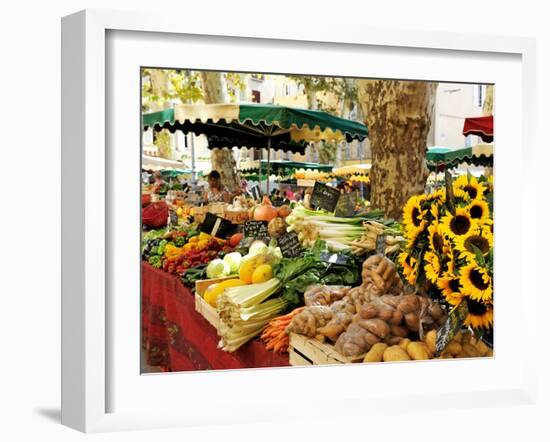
177,338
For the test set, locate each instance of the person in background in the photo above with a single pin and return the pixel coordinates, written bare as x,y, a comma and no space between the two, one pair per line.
245,190
348,188
289,194
216,193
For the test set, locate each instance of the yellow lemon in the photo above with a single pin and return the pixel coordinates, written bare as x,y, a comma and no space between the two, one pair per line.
262,273
246,270
212,292
179,212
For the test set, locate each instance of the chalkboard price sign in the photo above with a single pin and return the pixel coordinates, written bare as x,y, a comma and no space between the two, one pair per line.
451,327
290,245
346,204
324,197
218,227
255,229
173,220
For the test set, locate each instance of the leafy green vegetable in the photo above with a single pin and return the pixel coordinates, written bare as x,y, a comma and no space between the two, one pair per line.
298,274
155,261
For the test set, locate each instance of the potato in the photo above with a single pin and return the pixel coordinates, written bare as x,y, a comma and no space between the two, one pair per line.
404,343
418,351
435,311
371,338
408,304
482,348
412,321
397,317
394,340
376,352
469,351
429,340
395,353
399,330
368,312
453,348
385,314
375,326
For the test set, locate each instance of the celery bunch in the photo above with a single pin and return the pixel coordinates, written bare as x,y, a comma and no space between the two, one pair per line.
245,310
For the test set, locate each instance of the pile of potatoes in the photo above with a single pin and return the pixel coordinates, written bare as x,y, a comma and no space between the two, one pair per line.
388,319
464,345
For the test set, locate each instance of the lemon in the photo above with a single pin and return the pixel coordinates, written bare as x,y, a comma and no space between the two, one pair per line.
179,212
246,270
262,273
212,292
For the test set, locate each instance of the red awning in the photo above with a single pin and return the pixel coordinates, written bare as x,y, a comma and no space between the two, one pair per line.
480,126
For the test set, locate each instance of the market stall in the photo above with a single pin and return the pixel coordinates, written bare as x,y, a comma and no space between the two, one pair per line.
266,126
318,282
480,126
441,158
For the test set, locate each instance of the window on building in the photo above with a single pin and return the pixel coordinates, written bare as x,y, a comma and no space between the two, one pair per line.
255,96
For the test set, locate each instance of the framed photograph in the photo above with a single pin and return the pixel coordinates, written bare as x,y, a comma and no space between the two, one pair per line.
249,215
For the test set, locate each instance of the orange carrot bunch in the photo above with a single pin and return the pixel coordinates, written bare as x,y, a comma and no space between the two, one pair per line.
275,336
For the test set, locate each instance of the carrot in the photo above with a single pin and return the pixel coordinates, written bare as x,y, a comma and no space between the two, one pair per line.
282,346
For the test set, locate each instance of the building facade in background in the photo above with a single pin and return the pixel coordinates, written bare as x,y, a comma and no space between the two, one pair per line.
454,103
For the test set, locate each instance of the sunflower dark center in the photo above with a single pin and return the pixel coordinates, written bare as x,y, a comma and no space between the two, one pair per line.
477,280
476,308
476,212
438,242
478,241
472,191
416,217
454,284
460,224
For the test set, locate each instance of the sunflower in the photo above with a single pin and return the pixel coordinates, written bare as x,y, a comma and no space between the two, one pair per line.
479,210
413,215
438,240
409,264
481,238
480,314
432,266
450,287
468,188
476,281
459,224
438,196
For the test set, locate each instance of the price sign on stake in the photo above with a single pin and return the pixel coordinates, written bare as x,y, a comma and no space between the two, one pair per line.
333,258
290,245
324,197
216,226
255,229
451,327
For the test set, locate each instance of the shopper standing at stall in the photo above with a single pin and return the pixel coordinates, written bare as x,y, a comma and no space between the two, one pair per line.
216,193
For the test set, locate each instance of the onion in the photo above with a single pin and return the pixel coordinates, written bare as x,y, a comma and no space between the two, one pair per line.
265,212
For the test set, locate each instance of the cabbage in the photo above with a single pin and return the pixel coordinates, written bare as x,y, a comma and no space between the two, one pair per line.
257,247
233,260
217,269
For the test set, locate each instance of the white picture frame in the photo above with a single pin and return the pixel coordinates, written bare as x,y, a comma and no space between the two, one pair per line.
88,374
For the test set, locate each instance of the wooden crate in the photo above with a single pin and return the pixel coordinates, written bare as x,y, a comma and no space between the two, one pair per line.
307,351
206,310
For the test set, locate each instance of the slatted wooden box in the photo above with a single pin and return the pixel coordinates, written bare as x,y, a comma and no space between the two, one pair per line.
307,351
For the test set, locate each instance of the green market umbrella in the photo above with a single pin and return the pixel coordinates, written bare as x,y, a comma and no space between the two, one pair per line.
266,126
286,167
440,158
